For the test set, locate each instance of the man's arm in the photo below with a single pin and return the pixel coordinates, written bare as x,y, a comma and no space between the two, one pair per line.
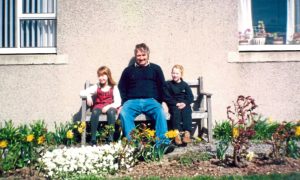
168,98
160,82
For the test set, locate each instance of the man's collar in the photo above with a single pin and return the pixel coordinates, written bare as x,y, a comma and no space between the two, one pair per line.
136,65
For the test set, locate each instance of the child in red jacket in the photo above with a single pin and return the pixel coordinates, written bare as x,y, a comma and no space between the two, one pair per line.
107,100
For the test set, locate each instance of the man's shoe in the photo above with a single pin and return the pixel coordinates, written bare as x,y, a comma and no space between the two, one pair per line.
186,137
178,140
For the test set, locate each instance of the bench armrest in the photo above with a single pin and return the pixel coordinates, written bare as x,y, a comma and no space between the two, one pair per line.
206,94
85,96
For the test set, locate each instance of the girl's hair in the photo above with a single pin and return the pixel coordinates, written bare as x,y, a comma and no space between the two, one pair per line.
177,66
105,70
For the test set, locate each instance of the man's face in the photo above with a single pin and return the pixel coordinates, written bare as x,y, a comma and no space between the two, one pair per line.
141,57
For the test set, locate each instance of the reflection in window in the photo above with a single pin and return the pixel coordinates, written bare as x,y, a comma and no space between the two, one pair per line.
38,33
272,22
38,6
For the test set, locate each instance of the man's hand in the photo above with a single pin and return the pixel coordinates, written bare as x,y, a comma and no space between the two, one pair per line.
180,105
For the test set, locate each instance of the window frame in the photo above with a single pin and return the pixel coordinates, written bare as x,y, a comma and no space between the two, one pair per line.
266,47
19,15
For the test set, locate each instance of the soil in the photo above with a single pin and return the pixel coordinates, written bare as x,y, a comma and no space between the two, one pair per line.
172,168
170,165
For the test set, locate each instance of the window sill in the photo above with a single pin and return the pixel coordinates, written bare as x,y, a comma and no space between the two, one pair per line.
17,51
260,55
33,59
249,48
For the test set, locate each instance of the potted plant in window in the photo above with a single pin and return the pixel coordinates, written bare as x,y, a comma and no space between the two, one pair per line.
277,39
260,34
296,38
244,37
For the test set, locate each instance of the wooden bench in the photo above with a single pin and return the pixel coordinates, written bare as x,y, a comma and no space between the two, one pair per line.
201,111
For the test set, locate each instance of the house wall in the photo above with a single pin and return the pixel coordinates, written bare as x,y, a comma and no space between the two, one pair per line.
200,35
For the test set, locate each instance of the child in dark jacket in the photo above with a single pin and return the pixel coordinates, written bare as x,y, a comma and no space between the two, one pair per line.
178,96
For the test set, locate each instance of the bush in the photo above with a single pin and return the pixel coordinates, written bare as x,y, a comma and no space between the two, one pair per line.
264,128
223,131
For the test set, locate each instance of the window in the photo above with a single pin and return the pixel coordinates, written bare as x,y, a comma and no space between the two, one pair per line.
27,26
269,25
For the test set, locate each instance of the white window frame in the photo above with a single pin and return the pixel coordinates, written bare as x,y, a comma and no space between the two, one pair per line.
21,16
257,48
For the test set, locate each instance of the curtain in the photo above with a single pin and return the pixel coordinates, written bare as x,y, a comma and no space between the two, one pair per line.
290,29
245,17
7,23
297,15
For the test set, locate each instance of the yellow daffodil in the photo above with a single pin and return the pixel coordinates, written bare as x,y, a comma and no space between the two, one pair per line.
235,132
83,124
297,130
80,130
30,138
150,132
172,133
270,120
3,144
250,156
70,134
41,140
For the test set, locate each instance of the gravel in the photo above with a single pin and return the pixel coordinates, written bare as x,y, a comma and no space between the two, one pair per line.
257,148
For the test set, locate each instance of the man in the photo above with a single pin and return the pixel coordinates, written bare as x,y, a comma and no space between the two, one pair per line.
141,92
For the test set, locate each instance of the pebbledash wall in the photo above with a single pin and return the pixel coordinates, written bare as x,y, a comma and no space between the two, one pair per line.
199,34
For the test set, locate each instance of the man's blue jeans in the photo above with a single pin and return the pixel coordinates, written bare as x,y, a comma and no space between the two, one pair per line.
150,107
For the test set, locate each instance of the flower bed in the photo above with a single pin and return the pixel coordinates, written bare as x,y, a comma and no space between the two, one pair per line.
58,154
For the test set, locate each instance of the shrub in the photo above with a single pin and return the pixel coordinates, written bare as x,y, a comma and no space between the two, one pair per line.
21,145
241,116
284,141
264,128
223,131
148,147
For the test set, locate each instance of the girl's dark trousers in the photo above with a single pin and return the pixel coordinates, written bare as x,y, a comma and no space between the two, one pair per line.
111,119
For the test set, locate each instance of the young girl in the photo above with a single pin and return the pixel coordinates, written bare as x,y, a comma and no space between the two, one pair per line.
106,101
178,96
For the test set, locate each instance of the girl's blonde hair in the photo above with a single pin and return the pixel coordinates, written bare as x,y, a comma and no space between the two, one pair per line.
180,67
105,70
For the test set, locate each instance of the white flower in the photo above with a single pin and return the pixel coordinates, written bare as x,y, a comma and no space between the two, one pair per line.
86,159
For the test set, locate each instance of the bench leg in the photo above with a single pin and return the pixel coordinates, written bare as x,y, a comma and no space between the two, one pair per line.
201,127
209,120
